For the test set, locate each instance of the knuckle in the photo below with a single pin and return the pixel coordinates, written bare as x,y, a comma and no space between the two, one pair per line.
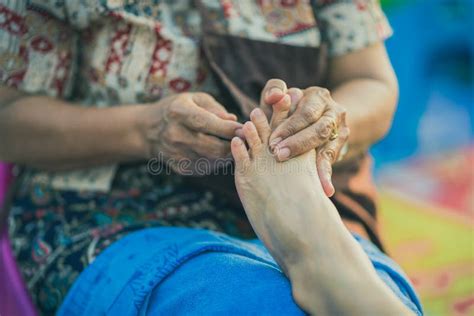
200,97
180,105
275,82
198,121
324,93
344,133
320,91
310,113
313,89
174,111
324,130
329,154
306,144
290,129
183,99
200,94
175,108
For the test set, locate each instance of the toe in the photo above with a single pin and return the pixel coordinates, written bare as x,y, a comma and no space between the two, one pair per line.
239,152
261,123
251,136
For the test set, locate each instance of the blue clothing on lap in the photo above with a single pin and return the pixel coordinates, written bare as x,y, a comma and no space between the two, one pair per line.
189,271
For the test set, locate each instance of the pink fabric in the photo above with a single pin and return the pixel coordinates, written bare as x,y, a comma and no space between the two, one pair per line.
14,299
5,177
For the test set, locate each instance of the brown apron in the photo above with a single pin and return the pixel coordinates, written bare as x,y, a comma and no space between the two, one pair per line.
242,66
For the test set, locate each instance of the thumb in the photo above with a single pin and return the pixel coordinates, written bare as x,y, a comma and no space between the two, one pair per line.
210,104
274,91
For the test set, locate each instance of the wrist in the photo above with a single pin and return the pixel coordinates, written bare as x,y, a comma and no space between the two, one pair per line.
121,130
138,122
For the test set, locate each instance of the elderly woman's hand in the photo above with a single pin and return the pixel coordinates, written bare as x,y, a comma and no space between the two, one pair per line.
308,119
183,128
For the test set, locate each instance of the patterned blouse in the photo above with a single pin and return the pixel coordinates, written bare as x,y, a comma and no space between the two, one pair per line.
103,53
112,52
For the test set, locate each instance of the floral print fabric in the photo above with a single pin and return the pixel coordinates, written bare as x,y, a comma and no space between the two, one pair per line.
56,234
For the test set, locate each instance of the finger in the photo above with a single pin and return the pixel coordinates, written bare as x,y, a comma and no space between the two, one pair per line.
309,110
210,146
327,156
261,123
251,136
207,102
240,133
240,153
296,95
280,111
309,138
201,120
274,91
324,167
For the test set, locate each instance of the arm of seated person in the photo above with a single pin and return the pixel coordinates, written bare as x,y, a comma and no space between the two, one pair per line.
53,134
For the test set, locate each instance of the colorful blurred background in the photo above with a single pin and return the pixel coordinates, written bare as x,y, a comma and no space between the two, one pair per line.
425,166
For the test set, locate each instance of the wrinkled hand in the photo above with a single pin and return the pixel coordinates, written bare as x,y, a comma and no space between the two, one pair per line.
185,128
303,120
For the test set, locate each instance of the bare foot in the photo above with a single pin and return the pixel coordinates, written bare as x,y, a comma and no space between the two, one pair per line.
274,194
301,228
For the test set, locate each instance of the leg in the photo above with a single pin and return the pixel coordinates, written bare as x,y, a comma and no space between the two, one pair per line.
288,209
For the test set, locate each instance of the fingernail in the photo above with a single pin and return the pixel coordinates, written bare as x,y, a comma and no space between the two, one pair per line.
257,112
284,102
283,154
274,90
236,140
332,191
275,141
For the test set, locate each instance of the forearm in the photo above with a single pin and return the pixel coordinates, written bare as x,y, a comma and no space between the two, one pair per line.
365,84
52,134
370,105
